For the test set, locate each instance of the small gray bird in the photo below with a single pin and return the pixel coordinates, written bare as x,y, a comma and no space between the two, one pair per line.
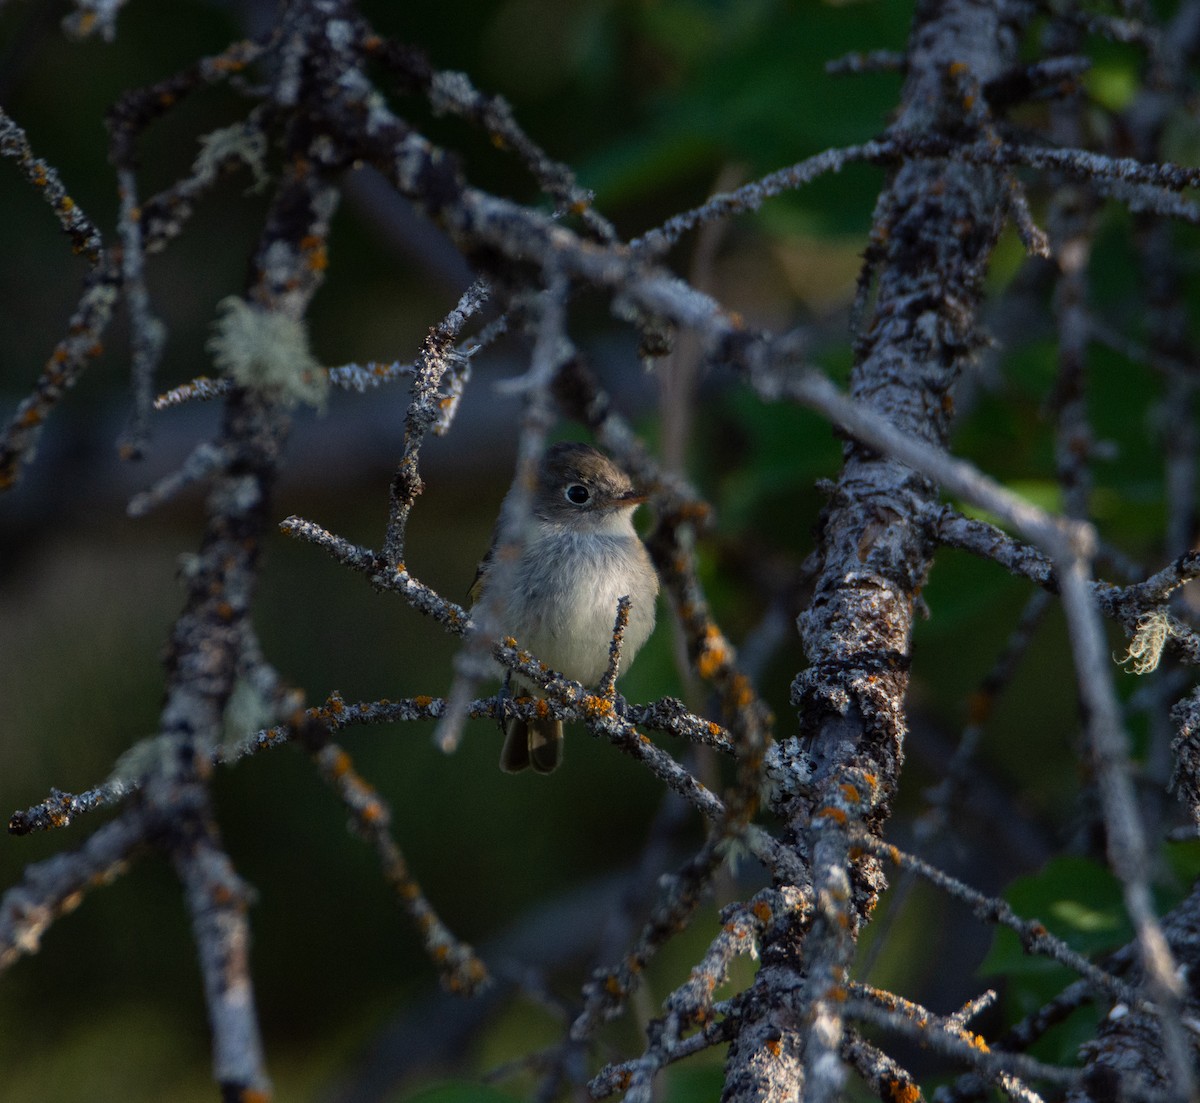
581,556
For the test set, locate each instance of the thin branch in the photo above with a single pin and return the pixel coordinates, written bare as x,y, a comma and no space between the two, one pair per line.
460,969
56,886
1006,1071
472,665
427,410
85,237
1035,938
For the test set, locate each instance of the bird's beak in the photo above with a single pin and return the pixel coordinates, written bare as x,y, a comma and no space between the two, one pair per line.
632,498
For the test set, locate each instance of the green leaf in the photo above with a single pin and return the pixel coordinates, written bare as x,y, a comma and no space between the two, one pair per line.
1079,901
1113,85
1046,494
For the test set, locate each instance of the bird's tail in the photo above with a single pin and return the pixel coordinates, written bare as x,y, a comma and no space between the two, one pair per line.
537,743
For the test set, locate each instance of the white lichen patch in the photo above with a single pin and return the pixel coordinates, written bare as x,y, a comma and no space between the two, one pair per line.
268,352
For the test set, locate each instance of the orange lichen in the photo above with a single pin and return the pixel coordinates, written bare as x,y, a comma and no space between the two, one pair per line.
595,706
741,693
612,985
830,813
762,911
222,895
979,707
340,765
422,702
711,659
542,708
850,792
897,1090
475,971
372,812
694,511
775,1047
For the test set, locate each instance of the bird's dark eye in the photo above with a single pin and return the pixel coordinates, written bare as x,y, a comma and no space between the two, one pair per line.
577,494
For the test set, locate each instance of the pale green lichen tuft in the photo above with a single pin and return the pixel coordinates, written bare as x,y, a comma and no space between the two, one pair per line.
152,755
266,351
247,711
1150,637
242,141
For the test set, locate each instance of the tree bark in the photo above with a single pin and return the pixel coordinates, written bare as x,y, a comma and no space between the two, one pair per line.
936,226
